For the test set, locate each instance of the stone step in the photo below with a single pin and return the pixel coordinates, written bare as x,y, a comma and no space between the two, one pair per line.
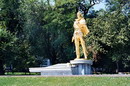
62,66
58,69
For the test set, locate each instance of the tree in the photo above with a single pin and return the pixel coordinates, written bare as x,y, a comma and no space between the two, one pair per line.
7,40
12,20
11,15
109,36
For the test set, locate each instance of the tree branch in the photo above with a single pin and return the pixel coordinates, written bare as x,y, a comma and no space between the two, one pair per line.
86,9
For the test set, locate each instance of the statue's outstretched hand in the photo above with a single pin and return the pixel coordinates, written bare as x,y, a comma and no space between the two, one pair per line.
72,39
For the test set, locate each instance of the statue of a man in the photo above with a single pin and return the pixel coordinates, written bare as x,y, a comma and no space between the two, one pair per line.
80,31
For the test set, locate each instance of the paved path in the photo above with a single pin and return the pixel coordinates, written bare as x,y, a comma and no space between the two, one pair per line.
103,75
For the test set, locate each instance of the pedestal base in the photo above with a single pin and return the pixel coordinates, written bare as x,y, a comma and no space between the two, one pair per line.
81,67
75,67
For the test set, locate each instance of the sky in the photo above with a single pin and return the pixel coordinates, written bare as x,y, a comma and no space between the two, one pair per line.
99,6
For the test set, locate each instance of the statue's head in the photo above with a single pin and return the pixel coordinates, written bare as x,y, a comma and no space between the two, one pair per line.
79,14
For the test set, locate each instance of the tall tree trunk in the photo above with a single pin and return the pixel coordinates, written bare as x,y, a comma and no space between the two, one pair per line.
117,66
53,60
1,68
53,57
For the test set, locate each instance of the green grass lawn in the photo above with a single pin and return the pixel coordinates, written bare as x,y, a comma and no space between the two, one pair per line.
64,81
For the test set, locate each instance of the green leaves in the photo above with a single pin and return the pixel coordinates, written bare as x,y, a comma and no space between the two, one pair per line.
109,33
6,38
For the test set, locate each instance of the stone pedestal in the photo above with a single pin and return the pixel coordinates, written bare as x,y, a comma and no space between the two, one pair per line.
81,66
75,67
57,69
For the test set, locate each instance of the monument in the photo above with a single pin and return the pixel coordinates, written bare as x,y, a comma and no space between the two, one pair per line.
78,66
80,31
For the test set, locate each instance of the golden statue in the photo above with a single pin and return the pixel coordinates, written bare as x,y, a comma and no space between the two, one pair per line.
80,31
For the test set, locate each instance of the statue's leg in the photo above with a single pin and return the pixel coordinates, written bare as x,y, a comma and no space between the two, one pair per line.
77,48
84,47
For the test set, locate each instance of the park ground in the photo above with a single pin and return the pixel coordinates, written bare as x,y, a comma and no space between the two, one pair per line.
90,80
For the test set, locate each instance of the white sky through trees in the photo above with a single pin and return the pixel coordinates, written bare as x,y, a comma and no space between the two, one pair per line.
99,6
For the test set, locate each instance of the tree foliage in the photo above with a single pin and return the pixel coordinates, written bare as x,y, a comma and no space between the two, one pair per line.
7,40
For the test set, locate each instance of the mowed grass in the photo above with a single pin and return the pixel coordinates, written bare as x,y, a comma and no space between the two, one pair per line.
64,81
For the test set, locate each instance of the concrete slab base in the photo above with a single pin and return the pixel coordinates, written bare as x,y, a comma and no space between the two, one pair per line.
75,67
